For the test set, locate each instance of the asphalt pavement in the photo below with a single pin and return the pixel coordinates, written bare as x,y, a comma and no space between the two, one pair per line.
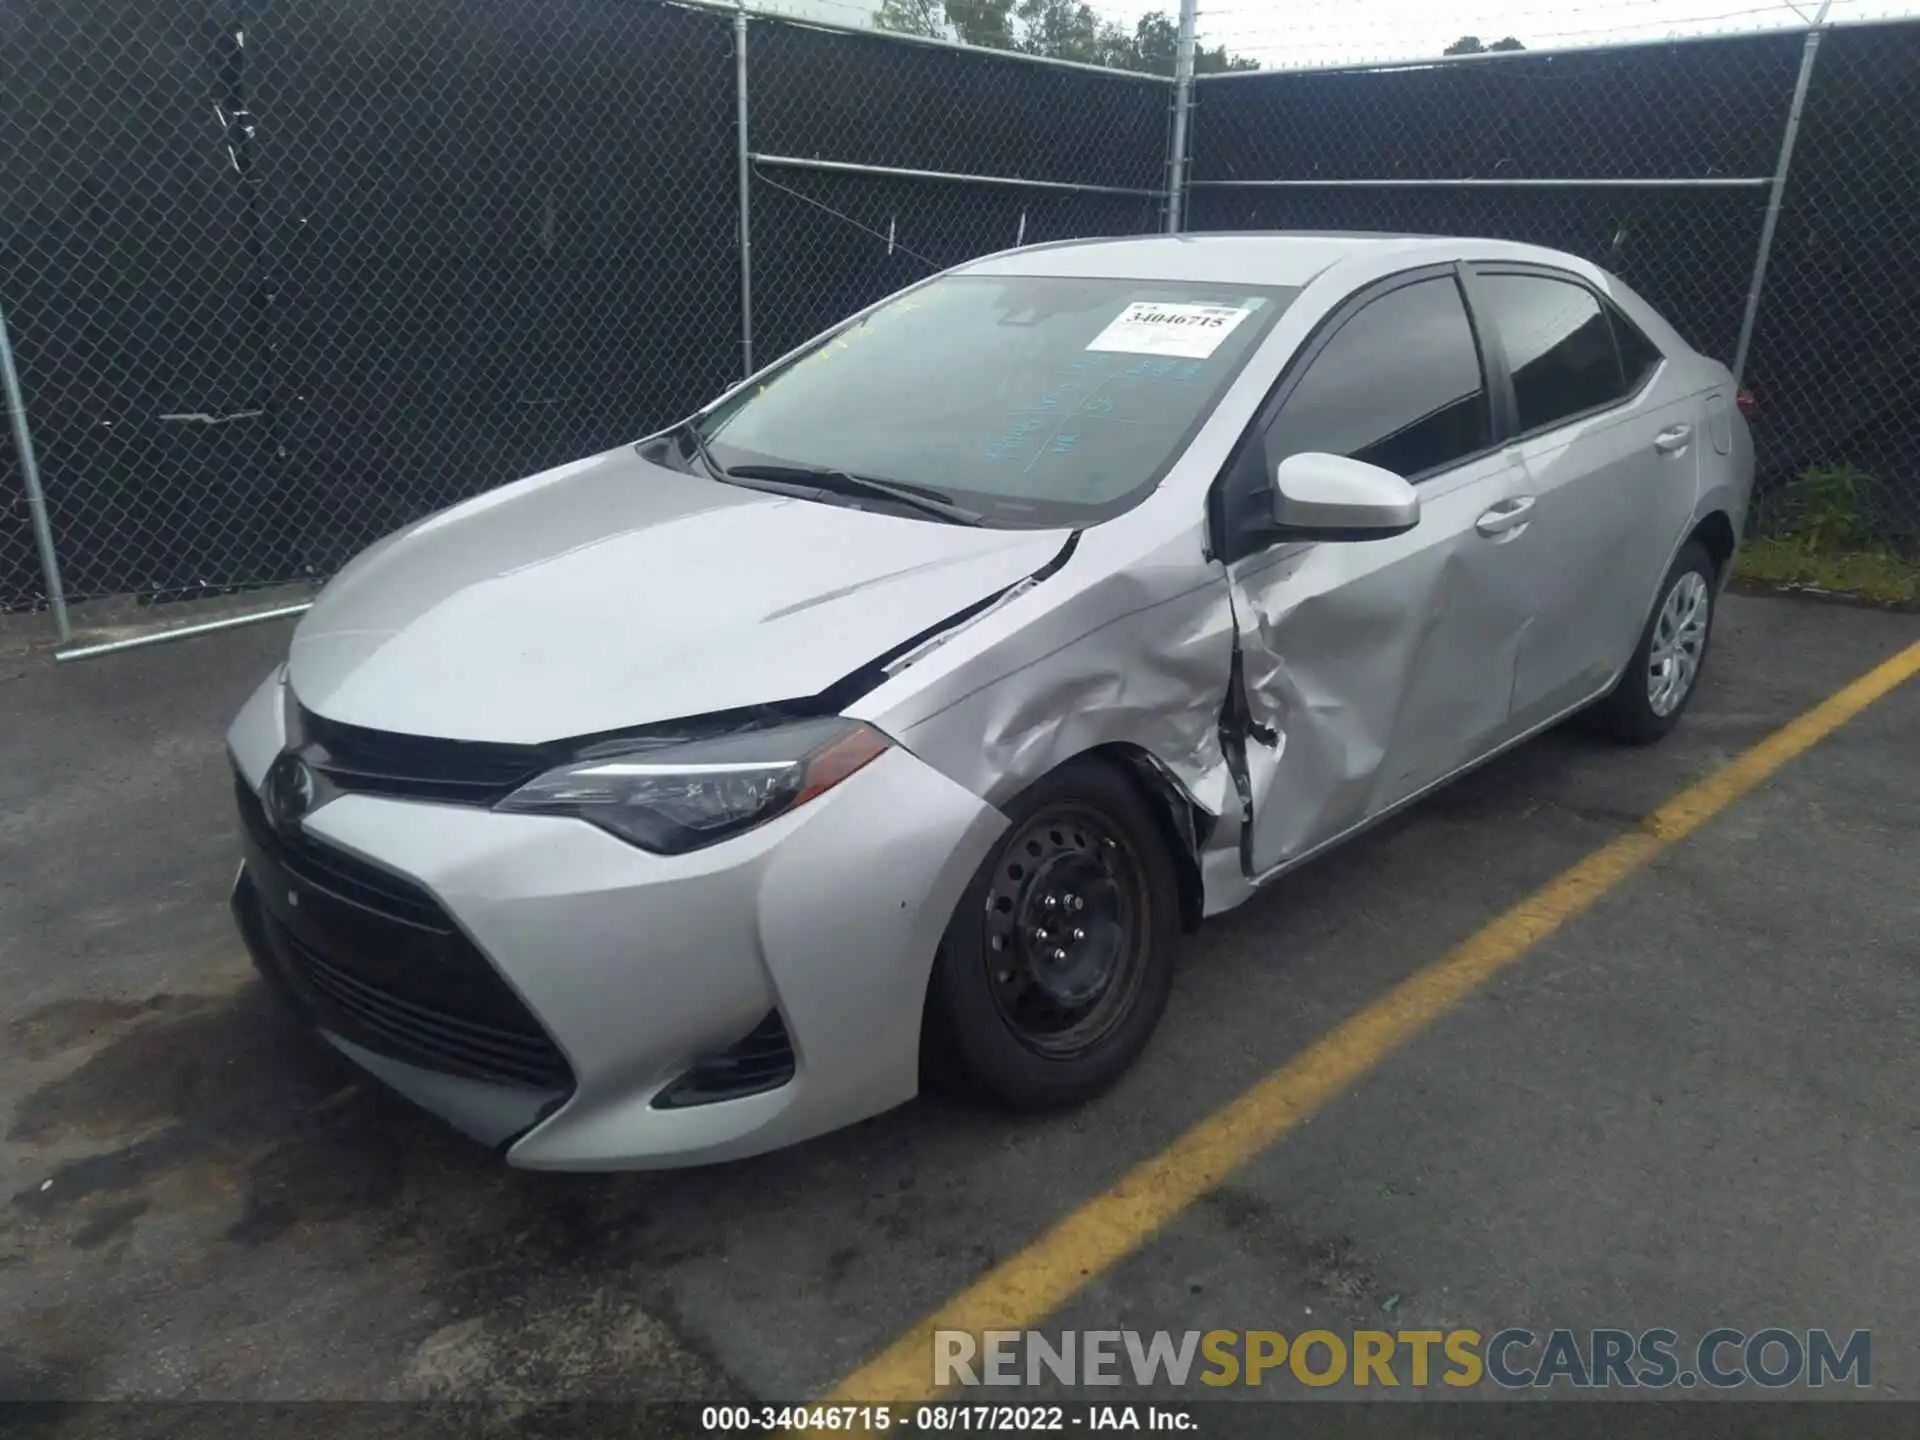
1697,1104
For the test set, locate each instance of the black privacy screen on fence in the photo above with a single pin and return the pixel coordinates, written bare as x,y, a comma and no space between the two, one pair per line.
283,275
1836,348
286,274
1676,113
828,243
1658,162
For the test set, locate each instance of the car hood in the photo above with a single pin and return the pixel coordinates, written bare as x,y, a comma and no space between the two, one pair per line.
614,592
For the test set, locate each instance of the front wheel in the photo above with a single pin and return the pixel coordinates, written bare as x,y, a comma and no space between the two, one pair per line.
1056,967
1665,669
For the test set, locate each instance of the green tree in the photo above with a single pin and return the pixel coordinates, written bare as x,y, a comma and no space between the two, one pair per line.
1470,45
1064,30
1217,61
1156,44
1058,29
913,17
983,22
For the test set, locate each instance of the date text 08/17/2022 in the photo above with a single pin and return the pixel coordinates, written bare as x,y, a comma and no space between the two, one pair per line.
941,1418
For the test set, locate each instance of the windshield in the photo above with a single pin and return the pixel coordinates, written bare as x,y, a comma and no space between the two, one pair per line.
1032,400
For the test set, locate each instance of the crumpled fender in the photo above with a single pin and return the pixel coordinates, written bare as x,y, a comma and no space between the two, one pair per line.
1134,654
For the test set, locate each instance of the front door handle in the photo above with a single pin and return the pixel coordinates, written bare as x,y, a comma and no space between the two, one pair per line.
1673,439
1507,515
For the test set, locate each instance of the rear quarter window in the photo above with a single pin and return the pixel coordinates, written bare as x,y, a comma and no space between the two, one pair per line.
1560,347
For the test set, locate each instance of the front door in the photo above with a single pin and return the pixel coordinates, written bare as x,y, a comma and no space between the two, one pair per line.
1375,668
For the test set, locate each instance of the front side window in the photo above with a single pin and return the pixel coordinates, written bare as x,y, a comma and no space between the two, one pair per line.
1030,400
1398,386
1559,346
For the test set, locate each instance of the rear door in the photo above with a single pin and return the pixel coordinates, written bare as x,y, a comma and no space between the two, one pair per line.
1612,470
1373,668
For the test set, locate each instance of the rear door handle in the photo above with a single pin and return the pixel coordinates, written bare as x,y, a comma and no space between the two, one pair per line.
1507,515
1673,439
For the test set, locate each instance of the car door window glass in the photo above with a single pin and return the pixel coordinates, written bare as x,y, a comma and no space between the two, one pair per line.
1559,346
1398,386
1639,356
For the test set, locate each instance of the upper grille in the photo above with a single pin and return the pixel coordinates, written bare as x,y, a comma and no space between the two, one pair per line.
463,772
337,873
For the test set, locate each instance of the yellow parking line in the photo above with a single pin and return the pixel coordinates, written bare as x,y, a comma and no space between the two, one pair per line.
1022,1290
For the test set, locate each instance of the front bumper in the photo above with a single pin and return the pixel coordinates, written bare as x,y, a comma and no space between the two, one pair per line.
628,968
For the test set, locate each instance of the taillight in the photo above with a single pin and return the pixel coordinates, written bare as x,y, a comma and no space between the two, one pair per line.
1748,406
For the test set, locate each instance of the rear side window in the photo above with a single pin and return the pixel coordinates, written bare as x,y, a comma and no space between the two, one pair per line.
1639,356
1398,386
1559,345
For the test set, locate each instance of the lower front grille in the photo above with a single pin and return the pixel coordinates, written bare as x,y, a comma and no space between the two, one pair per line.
429,1038
374,958
762,1060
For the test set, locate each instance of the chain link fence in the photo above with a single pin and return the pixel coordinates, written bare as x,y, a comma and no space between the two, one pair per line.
1661,162
876,161
1835,357
281,278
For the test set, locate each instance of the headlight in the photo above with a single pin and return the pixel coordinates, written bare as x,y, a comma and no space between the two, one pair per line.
676,796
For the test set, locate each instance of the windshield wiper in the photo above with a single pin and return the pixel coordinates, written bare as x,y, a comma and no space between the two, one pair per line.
691,429
841,482
821,478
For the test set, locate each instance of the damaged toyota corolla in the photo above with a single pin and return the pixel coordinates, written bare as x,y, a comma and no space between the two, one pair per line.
894,715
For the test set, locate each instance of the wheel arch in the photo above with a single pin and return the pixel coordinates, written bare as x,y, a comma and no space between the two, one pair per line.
1183,823
1715,533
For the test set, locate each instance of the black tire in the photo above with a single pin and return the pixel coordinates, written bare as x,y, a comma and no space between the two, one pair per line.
1034,1026
1630,712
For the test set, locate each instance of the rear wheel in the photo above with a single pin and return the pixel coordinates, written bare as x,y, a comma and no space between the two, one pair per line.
1057,964
1666,665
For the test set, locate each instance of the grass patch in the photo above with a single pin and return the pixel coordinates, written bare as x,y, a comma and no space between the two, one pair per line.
1875,574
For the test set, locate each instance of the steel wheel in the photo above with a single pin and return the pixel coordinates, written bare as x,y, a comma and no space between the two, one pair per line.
1679,642
1065,932
1056,966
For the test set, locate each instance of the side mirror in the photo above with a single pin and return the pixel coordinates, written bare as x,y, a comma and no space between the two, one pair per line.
1328,497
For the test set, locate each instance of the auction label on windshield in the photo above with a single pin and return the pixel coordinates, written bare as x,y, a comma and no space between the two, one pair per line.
1186,332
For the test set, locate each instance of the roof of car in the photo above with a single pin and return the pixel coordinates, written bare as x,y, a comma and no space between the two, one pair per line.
1240,257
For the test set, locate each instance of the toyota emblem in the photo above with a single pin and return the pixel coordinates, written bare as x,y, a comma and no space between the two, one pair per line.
289,791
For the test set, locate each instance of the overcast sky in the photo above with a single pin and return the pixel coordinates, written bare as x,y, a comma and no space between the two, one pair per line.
1312,32
1330,32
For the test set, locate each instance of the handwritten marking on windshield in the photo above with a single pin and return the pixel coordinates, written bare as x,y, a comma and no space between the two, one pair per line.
1053,398
1010,445
1176,370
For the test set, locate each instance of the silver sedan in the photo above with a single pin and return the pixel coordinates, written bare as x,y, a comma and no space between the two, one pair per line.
891,718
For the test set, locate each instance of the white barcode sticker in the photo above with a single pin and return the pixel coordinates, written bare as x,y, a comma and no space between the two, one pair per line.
1184,332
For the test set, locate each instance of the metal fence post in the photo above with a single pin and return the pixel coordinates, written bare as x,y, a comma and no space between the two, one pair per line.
741,152
1774,197
1182,108
30,477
